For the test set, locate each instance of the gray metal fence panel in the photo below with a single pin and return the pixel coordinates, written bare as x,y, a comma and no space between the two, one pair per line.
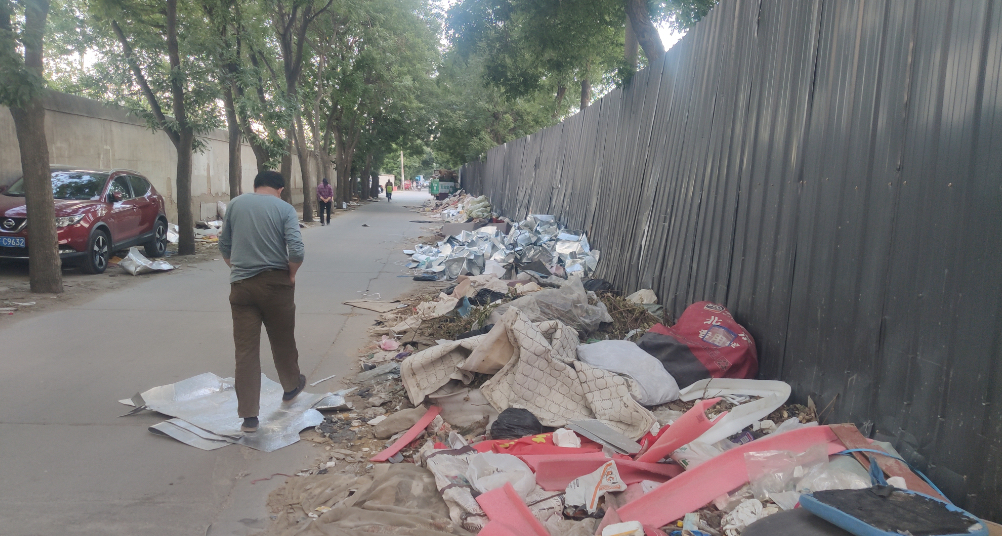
831,170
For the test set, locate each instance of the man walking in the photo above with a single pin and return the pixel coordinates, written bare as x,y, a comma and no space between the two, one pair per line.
325,195
389,191
261,244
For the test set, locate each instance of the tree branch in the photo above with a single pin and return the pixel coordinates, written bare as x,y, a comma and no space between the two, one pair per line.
151,98
176,80
639,17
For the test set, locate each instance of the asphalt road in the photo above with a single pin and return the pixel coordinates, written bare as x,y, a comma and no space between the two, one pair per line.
70,465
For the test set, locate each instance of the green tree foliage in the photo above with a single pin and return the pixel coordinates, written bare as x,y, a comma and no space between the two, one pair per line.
680,15
530,45
473,117
172,83
371,81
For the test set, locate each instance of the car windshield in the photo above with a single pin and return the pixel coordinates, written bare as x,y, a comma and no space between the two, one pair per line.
77,185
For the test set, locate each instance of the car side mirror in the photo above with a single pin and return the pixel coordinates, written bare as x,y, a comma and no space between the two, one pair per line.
115,197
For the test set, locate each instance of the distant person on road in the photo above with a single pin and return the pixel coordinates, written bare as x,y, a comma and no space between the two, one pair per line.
261,244
325,196
389,191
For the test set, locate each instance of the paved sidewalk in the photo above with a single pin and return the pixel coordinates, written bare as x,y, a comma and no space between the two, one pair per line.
70,465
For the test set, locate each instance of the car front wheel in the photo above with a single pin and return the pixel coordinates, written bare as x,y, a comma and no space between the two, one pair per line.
98,250
157,247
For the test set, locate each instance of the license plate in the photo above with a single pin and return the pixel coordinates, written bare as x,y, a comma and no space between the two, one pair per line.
12,241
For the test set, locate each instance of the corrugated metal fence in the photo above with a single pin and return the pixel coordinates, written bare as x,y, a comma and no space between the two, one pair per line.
831,170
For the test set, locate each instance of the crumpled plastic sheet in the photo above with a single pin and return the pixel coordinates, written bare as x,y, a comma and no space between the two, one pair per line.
204,408
478,208
136,263
568,304
400,499
452,477
537,238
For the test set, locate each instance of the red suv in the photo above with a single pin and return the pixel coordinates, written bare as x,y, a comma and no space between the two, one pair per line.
97,213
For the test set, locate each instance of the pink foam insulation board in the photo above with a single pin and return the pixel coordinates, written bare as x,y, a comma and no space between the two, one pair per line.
686,429
554,475
533,460
696,487
508,515
411,435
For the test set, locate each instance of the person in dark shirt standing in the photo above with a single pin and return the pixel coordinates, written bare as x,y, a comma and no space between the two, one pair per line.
261,243
325,196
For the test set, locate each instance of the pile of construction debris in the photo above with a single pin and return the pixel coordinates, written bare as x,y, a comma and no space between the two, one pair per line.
513,403
477,242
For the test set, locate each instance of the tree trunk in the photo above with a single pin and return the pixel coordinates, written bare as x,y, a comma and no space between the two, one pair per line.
647,34
233,127
260,152
341,158
309,198
44,266
632,48
185,219
585,93
561,91
366,177
286,170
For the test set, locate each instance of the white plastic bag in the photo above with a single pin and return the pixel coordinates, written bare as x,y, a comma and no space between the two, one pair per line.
624,357
136,263
774,471
586,490
773,394
489,471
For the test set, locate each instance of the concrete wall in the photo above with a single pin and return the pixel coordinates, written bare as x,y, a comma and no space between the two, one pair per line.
87,133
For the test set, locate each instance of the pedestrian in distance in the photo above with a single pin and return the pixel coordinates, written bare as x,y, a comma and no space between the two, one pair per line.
389,191
261,243
325,197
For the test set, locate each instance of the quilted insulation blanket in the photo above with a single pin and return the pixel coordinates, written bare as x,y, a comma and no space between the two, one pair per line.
540,373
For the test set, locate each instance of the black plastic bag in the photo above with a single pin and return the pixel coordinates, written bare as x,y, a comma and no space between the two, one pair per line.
485,296
475,332
515,423
597,285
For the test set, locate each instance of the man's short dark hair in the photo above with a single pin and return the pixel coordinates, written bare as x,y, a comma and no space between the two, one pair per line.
271,179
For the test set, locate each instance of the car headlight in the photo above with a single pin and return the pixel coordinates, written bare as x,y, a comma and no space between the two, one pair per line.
66,221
